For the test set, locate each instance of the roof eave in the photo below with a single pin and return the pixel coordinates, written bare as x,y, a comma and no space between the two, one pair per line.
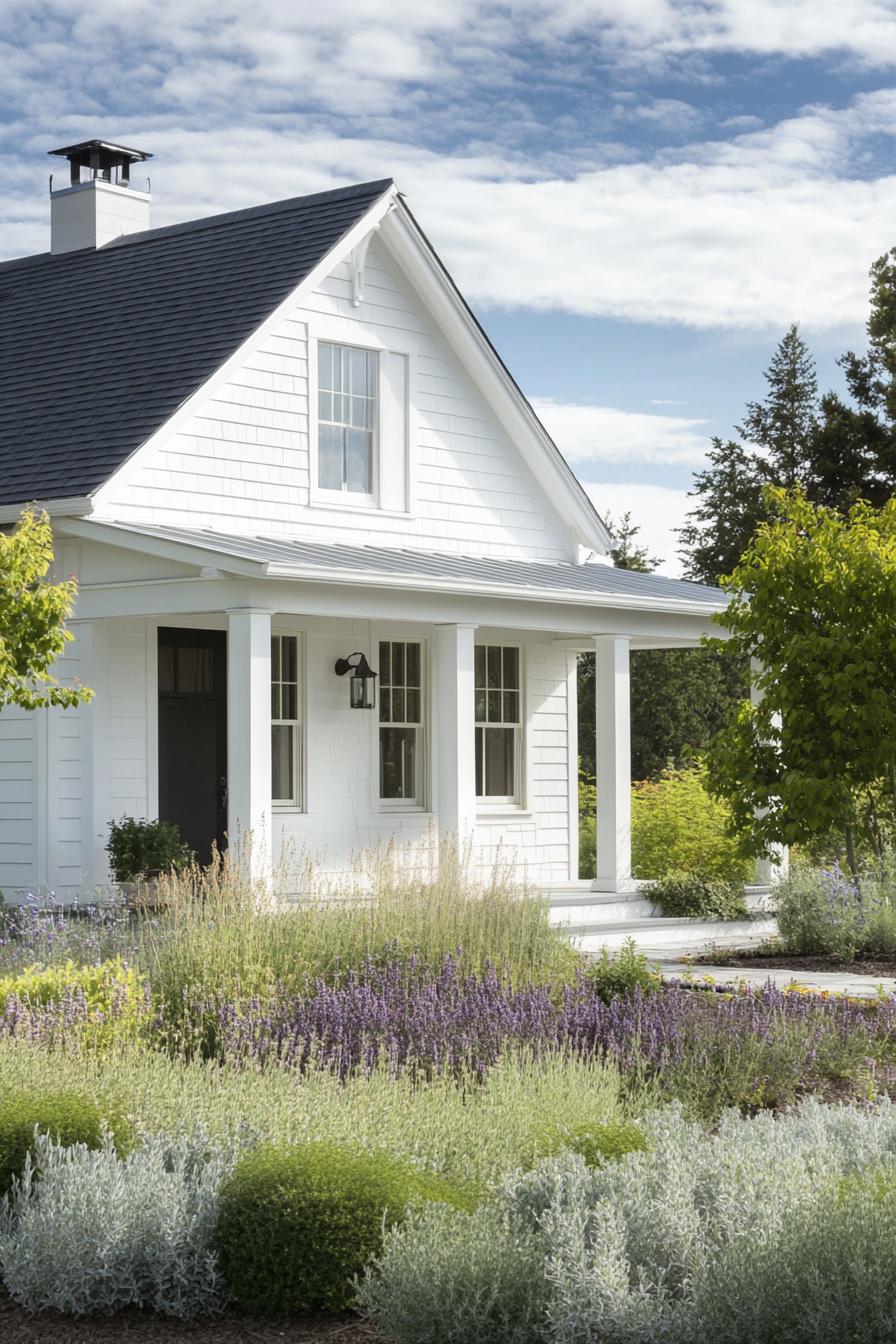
75,506
520,592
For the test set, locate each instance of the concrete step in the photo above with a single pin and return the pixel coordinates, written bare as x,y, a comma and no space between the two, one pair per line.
579,904
670,937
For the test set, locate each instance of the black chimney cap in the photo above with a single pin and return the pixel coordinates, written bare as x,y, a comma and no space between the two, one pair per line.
100,154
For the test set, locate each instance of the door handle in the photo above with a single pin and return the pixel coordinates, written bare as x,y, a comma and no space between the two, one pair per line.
222,791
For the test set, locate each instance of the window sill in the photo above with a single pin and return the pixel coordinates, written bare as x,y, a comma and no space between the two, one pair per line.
398,809
503,812
365,504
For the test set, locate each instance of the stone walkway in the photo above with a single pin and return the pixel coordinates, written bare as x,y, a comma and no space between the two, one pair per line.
831,982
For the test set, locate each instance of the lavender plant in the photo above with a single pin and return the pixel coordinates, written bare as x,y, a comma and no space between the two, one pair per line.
827,911
43,931
85,1231
748,1048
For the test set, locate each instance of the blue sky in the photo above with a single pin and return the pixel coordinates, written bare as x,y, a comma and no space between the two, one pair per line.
637,196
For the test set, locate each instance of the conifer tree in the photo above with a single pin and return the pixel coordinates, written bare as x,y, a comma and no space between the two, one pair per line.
779,434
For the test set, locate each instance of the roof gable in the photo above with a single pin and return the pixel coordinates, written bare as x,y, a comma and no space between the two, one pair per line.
99,348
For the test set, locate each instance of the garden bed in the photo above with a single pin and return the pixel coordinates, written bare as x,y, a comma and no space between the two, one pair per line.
879,965
21,1327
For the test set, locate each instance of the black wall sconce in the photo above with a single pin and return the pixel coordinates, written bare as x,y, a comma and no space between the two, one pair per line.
362,687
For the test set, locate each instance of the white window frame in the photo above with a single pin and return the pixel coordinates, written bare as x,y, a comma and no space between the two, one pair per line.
487,801
394,433
358,498
297,802
418,802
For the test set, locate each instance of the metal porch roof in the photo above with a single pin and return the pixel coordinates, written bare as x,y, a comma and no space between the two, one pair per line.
336,561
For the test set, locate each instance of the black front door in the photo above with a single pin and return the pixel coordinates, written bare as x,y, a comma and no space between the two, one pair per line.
193,735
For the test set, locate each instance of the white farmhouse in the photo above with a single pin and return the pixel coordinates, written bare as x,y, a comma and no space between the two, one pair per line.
276,445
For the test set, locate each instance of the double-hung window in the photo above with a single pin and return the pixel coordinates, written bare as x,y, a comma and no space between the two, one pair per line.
497,688
347,410
286,742
401,723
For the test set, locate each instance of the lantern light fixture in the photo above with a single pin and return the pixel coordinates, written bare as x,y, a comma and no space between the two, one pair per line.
362,686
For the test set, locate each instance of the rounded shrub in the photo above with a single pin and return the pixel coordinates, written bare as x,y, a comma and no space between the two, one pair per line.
297,1224
677,826
597,1144
68,1117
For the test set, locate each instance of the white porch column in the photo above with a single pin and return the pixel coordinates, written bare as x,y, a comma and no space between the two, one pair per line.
613,759
774,866
454,725
249,736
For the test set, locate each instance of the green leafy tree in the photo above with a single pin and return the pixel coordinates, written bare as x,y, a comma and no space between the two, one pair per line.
33,612
813,602
781,434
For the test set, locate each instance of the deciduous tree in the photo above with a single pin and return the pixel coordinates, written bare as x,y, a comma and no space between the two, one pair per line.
813,604
33,612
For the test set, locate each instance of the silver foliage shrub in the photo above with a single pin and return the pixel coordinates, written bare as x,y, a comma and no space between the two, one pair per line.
86,1231
769,1231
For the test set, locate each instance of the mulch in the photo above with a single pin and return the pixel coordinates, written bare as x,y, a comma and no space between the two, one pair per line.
880,966
21,1327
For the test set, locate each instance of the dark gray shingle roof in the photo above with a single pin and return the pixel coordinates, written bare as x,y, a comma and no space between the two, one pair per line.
98,348
590,582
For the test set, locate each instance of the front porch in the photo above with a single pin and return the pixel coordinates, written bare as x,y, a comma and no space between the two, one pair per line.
474,732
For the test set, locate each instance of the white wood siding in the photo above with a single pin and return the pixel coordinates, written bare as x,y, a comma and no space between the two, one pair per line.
538,838
21,780
242,463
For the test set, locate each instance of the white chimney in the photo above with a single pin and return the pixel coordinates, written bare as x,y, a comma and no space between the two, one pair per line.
103,206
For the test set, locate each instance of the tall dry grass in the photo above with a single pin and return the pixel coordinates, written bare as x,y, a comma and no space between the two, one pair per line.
216,930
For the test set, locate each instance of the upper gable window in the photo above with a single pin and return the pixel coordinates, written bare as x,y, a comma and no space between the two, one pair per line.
347,416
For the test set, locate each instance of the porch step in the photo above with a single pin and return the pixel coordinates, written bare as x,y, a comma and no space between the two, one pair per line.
596,919
663,938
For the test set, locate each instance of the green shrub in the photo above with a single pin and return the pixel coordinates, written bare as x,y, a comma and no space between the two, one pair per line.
298,1224
597,1144
68,1117
685,894
678,827
115,995
145,849
622,972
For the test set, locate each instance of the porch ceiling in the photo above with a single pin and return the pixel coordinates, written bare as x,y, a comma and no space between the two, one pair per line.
283,558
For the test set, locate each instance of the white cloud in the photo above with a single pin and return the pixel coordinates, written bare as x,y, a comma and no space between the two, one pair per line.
657,510
754,233
605,434
774,225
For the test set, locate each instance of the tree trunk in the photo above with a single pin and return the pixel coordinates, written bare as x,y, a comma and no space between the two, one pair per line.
849,837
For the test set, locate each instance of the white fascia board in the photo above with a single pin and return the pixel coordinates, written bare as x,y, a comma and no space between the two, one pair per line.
406,241
426,583
78,506
130,539
143,455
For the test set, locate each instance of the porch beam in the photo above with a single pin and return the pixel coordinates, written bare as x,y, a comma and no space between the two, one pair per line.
249,738
613,760
454,724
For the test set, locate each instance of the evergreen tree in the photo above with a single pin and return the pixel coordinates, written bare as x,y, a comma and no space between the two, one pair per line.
856,456
626,554
780,434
